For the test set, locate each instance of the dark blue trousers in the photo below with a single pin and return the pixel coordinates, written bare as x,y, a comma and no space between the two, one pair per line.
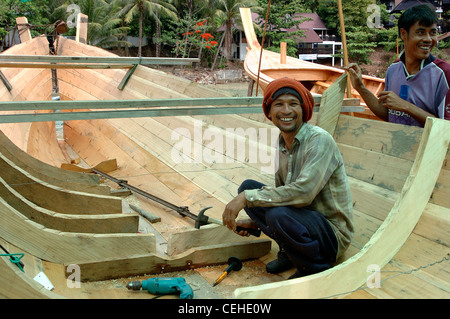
304,235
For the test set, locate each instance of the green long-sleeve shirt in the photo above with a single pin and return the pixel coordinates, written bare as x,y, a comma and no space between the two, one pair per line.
311,174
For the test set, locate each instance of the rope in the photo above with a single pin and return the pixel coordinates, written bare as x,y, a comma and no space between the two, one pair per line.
262,47
15,259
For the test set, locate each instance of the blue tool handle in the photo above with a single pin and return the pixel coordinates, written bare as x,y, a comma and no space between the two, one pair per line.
185,291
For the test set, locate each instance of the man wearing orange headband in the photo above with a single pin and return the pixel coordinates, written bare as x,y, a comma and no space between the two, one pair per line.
309,212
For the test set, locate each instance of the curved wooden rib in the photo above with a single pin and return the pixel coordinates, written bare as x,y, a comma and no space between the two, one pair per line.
386,241
50,174
100,224
62,247
16,284
55,198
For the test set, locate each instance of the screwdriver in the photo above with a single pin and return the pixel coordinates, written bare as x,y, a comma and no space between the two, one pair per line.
234,264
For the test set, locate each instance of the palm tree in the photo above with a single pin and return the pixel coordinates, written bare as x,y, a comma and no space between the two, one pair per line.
228,11
151,7
104,28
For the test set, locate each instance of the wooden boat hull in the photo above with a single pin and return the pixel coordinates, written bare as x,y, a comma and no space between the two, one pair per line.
396,173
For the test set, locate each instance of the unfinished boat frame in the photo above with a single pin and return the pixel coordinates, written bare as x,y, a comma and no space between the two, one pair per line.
393,171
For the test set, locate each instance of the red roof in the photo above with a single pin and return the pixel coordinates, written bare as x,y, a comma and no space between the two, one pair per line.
316,23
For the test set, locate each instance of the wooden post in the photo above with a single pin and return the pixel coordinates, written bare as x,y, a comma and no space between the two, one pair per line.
81,34
344,46
24,30
283,49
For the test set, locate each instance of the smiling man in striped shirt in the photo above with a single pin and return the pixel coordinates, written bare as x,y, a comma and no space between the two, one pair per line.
309,212
417,84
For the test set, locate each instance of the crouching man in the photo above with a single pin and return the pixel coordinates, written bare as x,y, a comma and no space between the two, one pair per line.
309,212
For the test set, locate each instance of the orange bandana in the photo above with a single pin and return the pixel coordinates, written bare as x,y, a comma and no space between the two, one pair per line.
275,85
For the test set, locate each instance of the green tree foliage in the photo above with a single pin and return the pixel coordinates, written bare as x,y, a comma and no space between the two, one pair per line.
228,13
281,19
35,11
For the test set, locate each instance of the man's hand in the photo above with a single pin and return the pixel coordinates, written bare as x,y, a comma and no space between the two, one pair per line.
232,211
390,100
355,76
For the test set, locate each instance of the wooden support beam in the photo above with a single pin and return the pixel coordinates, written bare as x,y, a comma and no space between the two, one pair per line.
283,52
93,115
82,24
127,104
161,107
127,76
24,29
130,61
154,263
5,81
63,66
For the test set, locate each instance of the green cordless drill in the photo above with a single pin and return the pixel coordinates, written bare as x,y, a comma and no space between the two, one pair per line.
164,286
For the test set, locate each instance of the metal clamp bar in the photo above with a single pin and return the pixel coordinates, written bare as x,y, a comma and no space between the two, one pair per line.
182,210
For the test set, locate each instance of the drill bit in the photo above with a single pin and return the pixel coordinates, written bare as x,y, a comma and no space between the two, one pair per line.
134,285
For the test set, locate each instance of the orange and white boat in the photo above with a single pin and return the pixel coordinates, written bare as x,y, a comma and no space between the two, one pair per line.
263,66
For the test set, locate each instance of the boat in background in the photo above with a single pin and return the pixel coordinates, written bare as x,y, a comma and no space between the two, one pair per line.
315,77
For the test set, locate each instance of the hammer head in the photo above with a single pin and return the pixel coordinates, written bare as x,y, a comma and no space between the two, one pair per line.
201,218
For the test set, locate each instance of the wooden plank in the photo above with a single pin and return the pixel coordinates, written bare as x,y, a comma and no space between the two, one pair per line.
383,170
387,240
51,174
434,224
441,193
379,136
63,66
127,104
15,284
331,105
192,258
82,25
210,234
61,247
101,224
105,166
95,59
149,216
140,169
55,198
71,116
24,29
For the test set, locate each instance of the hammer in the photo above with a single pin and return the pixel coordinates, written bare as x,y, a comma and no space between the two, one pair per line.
202,219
